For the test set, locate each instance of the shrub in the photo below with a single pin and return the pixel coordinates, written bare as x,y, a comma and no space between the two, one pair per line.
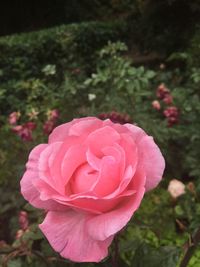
23,58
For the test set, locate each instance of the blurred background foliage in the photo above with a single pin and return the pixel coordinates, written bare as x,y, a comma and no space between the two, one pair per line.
130,61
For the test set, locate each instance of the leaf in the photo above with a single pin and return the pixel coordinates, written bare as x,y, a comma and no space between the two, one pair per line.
15,263
148,256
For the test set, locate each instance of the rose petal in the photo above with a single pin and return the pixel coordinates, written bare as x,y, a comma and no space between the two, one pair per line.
28,190
93,160
130,149
57,162
152,161
61,132
85,126
83,179
107,224
67,234
137,132
46,159
101,138
74,157
127,177
108,179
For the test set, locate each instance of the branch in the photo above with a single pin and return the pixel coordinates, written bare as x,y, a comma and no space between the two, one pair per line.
191,246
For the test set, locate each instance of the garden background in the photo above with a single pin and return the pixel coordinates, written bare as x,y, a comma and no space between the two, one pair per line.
130,61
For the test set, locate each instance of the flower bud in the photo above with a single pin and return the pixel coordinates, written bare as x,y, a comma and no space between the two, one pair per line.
156,104
176,188
23,220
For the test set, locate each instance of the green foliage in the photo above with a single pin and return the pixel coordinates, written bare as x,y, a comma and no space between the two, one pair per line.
146,256
31,64
123,84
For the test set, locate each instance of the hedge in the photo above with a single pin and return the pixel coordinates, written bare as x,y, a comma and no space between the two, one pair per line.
23,56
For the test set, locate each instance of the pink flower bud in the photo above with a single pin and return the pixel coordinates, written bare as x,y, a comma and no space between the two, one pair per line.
24,131
162,91
171,112
17,129
30,125
156,104
116,117
176,188
48,127
23,220
13,117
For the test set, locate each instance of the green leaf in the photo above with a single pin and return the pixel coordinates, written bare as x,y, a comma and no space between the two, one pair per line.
15,263
147,256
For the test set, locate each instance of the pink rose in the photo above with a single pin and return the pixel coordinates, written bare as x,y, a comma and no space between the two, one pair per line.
90,178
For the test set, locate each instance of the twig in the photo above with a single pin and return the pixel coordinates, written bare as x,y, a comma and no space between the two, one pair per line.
191,246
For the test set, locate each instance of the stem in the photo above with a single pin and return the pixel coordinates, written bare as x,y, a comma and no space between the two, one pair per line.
191,246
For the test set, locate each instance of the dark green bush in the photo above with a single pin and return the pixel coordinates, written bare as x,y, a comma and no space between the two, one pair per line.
24,56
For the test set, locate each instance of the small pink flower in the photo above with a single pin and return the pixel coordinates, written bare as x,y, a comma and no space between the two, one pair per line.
23,220
90,178
24,131
176,188
116,117
14,117
17,129
48,127
53,115
162,91
171,112
168,99
156,104
30,125
50,124
26,134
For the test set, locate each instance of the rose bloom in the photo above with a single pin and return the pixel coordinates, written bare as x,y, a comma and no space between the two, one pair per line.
176,188
90,178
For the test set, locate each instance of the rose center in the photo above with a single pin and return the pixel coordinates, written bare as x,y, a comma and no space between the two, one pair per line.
83,179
